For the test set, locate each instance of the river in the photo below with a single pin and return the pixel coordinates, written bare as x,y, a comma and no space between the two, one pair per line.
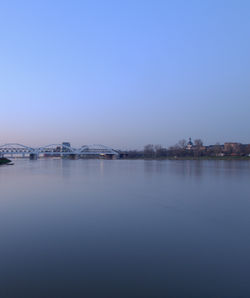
121,228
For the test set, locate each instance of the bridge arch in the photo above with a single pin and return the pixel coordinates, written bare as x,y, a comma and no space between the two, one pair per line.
97,149
15,148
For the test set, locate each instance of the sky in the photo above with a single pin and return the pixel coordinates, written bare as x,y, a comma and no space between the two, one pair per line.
124,73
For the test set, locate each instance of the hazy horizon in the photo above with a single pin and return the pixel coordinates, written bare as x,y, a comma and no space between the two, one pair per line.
76,146
124,74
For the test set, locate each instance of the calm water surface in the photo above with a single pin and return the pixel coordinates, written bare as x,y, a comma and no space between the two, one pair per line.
99,228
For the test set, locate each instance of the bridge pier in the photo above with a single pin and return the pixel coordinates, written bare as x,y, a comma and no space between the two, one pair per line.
109,156
73,156
33,156
70,156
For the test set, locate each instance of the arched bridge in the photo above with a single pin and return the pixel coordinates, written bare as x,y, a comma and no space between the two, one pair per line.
14,149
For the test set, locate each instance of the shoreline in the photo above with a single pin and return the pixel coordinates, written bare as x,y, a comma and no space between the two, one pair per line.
4,161
244,158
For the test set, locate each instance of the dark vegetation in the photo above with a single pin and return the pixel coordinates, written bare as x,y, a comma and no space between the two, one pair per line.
4,161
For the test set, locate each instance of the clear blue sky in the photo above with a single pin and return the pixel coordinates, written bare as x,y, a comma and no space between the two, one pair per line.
124,73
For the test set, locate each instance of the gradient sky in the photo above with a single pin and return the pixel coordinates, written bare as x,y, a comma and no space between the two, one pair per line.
124,73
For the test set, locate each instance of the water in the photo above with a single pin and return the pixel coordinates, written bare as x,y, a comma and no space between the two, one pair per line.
99,228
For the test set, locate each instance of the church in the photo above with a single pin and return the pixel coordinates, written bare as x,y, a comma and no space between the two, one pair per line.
189,144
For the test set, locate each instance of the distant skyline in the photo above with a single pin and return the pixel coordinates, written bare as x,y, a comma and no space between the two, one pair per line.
124,73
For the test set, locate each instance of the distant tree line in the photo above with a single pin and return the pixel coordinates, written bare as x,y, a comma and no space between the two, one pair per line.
185,149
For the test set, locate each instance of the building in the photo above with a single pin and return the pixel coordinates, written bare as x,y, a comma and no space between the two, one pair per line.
64,145
232,147
190,144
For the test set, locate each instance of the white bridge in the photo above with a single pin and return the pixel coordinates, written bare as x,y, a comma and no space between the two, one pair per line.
59,150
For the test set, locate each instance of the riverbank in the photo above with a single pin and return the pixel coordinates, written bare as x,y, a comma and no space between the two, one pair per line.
194,158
